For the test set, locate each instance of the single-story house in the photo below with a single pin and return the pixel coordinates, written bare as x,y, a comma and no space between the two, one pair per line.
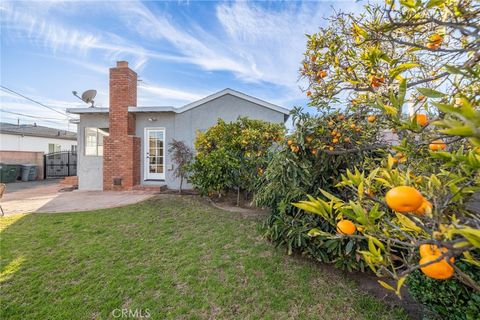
124,147
35,138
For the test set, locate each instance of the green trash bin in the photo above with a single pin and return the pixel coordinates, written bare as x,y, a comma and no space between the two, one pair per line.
8,173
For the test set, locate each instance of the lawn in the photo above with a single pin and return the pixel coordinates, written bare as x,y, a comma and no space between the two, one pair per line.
173,257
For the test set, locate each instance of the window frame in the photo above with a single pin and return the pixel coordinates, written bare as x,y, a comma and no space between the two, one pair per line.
100,134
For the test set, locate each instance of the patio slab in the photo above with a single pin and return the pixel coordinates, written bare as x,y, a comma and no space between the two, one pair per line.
46,197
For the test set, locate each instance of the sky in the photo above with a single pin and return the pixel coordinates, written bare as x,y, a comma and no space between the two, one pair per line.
181,50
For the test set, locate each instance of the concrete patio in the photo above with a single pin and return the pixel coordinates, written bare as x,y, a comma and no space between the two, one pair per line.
45,196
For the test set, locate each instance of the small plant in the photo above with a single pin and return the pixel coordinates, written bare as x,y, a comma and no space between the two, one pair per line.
181,155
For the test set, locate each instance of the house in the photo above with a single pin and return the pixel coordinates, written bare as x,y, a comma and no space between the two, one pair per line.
34,138
124,147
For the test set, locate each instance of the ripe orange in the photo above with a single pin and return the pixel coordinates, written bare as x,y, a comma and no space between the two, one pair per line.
439,270
314,58
435,38
309,138
422,119
347,139
314,151
331,148
376,82
322,74
346,227
404,199
295,149
341,117
353,126
371,119
425,208
432,46
437,145
335,141
433,250
331,123
309,93
421,98
289,142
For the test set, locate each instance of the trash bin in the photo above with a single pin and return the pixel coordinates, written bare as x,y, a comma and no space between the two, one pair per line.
29,172
8,173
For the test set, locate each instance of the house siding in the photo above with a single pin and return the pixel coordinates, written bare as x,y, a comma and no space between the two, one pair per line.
183,126
89,168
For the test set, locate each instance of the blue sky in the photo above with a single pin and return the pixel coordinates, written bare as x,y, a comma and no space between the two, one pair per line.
182,50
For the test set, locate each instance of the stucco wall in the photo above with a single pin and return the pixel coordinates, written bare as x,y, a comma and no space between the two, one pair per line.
14,142
89,168
180,126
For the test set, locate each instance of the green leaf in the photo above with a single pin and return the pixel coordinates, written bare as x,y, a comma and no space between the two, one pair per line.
407,224
463,131
408,3
402,68
435,3
431,93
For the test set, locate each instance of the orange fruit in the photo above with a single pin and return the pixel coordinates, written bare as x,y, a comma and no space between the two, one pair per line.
421,98
341,117
353,126
309,138
314,151
347,139
309,93
331,123
435,39
425,208
438,270
295,148
371,119
422,119
376,82
433,46
314,58
289,142
335,141
346,227
432,250
404,199
331,148
437,145
322,74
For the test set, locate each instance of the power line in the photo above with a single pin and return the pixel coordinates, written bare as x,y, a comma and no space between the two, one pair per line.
32,100
30,116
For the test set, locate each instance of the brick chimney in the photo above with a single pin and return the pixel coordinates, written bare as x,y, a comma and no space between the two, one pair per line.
121,150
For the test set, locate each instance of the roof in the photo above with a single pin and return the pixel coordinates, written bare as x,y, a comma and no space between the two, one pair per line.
36,131
189,106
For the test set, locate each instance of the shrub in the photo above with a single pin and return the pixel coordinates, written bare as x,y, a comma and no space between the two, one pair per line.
233,156
303,166
450,299
181,156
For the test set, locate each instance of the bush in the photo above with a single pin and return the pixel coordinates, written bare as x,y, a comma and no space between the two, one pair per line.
303,166
450,299
233,156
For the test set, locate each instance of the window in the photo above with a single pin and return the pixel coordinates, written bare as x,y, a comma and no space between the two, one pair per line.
94,141
52,147
73,148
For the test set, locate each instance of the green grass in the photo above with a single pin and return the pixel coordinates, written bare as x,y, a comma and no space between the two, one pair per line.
176,257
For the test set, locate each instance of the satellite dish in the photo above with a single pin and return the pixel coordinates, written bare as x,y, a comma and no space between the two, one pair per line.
87,96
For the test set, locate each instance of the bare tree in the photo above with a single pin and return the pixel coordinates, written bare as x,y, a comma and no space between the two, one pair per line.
182,155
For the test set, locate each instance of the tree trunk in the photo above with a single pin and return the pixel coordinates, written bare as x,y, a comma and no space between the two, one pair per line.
238,197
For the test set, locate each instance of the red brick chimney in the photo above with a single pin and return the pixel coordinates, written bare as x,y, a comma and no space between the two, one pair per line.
121,149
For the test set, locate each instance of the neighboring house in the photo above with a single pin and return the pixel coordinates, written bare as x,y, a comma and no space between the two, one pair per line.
34,138
127,145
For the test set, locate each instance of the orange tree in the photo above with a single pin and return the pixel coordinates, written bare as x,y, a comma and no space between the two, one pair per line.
412,68
232,156
319,149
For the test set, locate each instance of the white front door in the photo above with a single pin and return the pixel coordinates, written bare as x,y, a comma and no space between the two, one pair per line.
154,154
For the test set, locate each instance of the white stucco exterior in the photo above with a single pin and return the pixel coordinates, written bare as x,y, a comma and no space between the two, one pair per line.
13,142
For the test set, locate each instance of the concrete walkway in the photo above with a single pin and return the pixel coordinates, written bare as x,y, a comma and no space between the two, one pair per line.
46,197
